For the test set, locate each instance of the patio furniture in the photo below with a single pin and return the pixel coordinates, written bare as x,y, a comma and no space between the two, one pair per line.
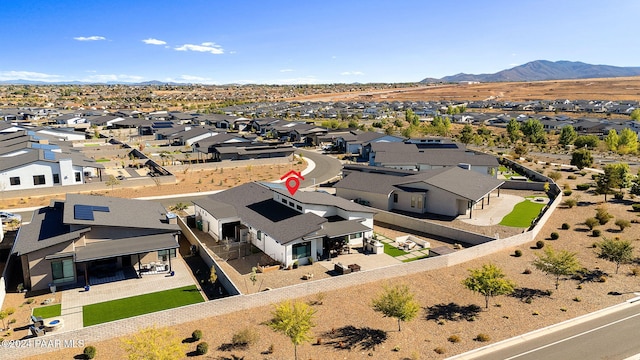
37,321
354,267
341,269
36,331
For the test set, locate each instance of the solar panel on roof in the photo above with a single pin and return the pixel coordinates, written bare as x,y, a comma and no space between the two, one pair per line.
83,212
48,155
101,208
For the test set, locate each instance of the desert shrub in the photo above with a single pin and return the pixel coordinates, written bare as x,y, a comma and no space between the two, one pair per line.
571,177
635,271
554,236
555,175
517,253
567,192
591,223
602,279
454,339
539,244
196,335
571,203
623,224
582,173
527,271
583,187
535,313
603,215
618,196
202,348
577,299
482,337
636,207
245,337
440,350
566,226
563,309
596,232
594,176
89,352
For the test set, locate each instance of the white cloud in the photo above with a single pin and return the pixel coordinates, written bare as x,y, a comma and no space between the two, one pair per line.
287,70
204,47
89,38
192,79
113,78
352,73
28,75
152,41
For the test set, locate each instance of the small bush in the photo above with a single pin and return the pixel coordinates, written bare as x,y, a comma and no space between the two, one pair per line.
636,207
196,335
89,352
245,337
596,232
567,192
539,244
454,339
571,177
535,313
618,196
202,348
623,224
602,279
577,299
570,203
582,173
270,349
527,271
554,236
442,322
482,337
563,309
440,350
566,226
517,253
635,271
583,187
591,223
579,287
603,215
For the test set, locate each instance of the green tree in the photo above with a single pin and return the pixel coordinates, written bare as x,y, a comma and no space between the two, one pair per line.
557,263
489,281
411,117
520,150
568,135
612,140
295,320
581,158
586,141
466,134
616,250
397,302
154,344
635,114
628,142
615,176
513,129
112,181
533,131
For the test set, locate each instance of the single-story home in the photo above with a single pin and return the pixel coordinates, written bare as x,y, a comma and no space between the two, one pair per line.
87,239
288,228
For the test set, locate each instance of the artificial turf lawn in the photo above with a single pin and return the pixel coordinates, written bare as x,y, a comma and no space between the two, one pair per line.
48,311
393,251
138,305
522,214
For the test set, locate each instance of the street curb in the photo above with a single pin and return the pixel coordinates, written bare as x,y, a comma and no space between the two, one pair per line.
544,331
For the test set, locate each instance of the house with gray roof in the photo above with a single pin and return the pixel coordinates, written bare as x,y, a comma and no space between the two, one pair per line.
87,240
288,228
449,191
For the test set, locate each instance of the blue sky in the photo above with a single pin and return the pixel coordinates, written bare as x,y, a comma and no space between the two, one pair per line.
305,42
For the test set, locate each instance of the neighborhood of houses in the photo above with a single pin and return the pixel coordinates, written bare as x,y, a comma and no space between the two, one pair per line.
88,240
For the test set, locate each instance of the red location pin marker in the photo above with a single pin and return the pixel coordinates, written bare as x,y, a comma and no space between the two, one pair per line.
292,183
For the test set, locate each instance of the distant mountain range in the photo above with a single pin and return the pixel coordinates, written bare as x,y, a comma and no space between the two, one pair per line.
145,83
544,70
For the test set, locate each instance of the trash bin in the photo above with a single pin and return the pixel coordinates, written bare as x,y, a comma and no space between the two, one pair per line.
199,225
87,288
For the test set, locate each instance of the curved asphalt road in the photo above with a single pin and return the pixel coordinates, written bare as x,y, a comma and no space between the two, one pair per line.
326,168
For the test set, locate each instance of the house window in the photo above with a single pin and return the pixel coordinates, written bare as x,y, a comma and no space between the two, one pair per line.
419,202
291,203
413,202
38,180
78,178
284,201
355,236
259,235
14,180
299,207
395,198
163,255
301,251
56,178
62,271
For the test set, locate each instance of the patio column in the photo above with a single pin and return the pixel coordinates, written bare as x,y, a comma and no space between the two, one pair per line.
138,263
170,259
86,274
482,204
488,197
470,209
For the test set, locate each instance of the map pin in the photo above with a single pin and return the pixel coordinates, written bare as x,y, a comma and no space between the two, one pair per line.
292,184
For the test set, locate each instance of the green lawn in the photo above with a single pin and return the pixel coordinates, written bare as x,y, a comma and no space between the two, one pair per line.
138,305
416,258
48,311
522,214
393,251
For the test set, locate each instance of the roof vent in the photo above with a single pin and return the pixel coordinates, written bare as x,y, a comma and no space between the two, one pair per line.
172,218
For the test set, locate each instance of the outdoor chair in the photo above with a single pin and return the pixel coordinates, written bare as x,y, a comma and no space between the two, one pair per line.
37,321
36,331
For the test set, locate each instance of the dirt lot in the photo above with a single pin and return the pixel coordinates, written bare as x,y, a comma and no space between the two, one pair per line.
345,318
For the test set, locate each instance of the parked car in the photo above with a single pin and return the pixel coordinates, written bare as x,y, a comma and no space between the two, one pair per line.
8,217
